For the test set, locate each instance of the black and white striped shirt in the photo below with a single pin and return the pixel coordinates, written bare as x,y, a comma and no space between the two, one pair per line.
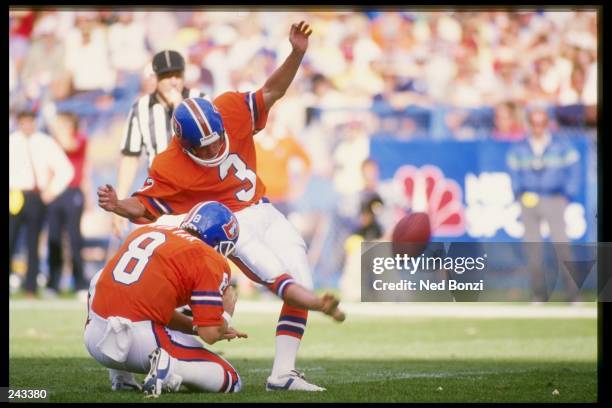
149,126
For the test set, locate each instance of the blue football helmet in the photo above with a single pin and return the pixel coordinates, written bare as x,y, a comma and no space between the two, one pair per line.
197,123
214,224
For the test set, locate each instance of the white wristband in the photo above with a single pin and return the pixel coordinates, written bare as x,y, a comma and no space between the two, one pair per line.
228,318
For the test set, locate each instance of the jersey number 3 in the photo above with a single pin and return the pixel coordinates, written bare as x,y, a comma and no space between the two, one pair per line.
133,261
243,173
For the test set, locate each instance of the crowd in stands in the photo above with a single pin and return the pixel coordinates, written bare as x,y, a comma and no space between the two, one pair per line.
387,61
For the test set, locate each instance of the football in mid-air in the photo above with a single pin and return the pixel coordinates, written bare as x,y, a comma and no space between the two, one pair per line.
411,234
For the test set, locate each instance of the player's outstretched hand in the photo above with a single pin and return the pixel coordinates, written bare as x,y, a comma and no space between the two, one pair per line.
232,333
107,198
298,36
330,307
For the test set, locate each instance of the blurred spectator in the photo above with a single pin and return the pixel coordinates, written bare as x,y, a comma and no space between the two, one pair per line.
22,23
282,164
507,123
370,203
352,149
65,212
87,55
399,93
464,90
44,68
39,171
20,26
128,55
221,40
161,27
368,228
574,92
545,176
324,103
127,44
197,75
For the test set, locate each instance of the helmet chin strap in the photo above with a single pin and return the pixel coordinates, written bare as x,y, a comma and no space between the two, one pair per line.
211,162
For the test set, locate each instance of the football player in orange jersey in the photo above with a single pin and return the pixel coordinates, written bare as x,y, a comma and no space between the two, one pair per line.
212,157
132,324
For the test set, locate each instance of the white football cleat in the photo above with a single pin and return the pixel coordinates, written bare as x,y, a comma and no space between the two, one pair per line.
123,381
159,377
292,381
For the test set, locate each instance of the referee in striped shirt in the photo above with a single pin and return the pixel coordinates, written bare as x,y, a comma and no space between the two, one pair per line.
148,127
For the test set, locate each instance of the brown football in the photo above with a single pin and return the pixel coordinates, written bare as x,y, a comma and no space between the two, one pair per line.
411,234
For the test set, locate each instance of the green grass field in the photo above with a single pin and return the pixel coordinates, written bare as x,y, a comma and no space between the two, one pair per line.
366,359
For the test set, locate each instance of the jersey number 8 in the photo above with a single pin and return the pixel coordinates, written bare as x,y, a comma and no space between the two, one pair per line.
133,261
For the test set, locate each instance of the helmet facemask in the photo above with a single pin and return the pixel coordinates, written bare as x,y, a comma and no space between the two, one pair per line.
225,248
215,161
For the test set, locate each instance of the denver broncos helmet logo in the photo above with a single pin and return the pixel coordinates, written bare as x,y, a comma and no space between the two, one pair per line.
231,229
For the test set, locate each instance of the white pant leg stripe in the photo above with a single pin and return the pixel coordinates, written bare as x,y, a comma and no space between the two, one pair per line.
282,286
229,381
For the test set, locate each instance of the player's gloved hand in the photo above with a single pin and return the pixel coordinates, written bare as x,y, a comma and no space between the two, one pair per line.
330,307
232,333
298,36
107,198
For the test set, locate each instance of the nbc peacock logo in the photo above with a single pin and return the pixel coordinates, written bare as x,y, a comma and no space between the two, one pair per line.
427,190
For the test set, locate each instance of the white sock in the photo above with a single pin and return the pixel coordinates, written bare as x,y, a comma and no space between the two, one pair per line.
286,354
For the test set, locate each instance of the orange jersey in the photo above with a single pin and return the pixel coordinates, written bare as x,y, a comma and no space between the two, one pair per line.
176,183
158,269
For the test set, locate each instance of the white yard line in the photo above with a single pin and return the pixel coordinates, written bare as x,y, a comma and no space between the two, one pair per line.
426,310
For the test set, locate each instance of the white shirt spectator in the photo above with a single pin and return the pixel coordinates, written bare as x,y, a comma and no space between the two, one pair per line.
126,41
348,157
161,29
39,162
89,63
439,73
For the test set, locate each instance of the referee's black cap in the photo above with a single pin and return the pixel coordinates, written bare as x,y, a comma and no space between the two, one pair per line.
168,61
